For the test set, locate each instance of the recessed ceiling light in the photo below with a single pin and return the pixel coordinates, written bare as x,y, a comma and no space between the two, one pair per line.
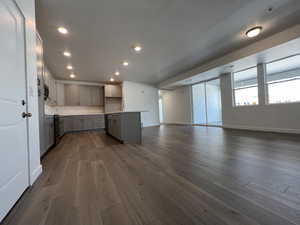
137,48
69,67
72,75
117,73
112,79
62,30
67,54
125,63
253,32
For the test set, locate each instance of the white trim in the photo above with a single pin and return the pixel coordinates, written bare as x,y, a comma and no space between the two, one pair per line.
265,129
151,125
177,123
35,174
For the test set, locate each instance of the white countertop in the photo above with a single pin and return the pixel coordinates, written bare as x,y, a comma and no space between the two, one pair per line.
95,114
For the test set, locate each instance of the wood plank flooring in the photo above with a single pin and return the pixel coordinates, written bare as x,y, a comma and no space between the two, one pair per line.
178,176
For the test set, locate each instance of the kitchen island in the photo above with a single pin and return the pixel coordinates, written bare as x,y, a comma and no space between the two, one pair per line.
124,126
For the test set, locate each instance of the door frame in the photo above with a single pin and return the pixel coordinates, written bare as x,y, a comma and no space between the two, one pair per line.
26,9
26,89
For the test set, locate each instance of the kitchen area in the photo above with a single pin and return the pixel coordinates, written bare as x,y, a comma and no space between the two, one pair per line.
67,106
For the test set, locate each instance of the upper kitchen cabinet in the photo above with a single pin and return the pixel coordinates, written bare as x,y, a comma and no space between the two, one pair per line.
51,84
80,95
97,94
113,91
85,96
72,96
60,93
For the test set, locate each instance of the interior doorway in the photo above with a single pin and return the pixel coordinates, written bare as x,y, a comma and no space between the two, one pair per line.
207,105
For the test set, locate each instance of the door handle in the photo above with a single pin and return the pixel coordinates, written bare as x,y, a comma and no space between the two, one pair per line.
24,115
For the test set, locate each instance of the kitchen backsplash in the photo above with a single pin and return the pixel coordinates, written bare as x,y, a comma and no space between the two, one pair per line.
72,110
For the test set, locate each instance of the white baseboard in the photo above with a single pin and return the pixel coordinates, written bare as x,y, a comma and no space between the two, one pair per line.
276,130
182,124
151,124
35,174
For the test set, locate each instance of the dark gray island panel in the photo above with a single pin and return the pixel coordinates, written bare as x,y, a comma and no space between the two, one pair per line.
124,126
82,122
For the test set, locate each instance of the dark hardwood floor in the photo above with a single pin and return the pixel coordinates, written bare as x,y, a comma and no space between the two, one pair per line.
178,176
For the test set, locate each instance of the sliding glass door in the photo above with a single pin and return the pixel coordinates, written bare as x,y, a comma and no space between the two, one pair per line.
207,107
199,108
213,102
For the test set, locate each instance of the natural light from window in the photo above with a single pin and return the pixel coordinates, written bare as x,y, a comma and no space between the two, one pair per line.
245,87
283,80
246,96
284,92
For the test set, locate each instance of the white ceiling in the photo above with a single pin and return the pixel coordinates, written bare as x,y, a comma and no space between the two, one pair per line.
176,35
280,57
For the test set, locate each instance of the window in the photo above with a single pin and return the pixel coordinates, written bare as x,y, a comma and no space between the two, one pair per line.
283,80
245,87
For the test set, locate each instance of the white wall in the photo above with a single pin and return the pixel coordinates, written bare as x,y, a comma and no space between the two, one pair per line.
28,9
177,105
137,96
277,117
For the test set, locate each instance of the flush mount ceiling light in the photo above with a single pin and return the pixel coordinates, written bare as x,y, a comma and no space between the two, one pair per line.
117,73
125,63
62,30
72,75
67,54
253,32
137,48
112,79
69,67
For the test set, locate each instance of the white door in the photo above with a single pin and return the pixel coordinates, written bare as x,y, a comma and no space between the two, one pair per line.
13,127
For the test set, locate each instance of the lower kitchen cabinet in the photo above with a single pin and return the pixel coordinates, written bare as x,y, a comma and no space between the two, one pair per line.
125,126
82,123
49,133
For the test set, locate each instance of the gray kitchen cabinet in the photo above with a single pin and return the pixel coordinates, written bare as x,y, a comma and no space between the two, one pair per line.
126,126
97,95
79,95
82,123
52,91
113,91
50,82
60,94
72,95
85,95
48,133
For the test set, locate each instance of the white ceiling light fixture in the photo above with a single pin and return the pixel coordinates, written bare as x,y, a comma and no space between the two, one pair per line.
67,54
254,32
72,75
125,63
117,73
112,79
137,48
62,30
69,67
